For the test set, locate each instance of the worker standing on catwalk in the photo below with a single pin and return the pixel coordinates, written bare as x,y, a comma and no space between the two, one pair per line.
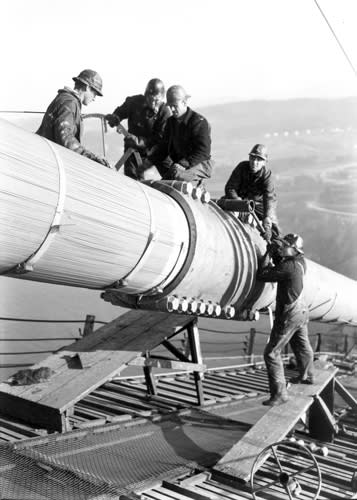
147,115
291,316
62,122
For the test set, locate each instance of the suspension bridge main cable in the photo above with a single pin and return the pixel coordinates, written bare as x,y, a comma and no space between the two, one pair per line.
336,37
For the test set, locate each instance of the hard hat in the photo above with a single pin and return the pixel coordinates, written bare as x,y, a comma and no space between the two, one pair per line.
260,151
155,87
91,78
293,242
176,92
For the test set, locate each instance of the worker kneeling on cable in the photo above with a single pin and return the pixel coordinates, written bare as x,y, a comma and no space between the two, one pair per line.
252,180
291,316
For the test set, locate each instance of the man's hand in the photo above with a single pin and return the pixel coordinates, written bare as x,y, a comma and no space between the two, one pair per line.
267,234
112,120
131,141
104,162
174,171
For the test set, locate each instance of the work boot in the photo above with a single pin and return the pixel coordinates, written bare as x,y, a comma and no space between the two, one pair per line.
299,380
278,395
276,400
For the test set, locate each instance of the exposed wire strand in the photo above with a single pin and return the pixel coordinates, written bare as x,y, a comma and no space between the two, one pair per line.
336,37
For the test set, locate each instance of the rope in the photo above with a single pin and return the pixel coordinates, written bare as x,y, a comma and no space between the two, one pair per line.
33,320
336,37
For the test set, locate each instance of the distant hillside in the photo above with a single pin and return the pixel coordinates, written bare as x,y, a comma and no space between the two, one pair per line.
251,118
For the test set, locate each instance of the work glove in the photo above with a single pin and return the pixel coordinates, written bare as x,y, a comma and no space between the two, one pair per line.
112,120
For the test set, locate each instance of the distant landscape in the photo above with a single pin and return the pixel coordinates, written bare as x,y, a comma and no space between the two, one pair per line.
312,148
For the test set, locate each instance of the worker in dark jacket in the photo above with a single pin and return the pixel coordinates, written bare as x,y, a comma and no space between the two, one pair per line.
185,151
62,122
147,115
252,180
291,317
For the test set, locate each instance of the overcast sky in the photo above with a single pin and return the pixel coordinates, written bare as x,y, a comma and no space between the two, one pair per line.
220,50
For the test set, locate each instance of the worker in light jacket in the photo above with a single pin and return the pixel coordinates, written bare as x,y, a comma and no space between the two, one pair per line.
62,122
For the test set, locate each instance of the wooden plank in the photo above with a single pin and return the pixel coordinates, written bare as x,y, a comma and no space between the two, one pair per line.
106,352
272,427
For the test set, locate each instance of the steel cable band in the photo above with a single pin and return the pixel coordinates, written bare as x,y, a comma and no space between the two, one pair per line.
247,253
231,293
28,264
251,268
173,193
151,238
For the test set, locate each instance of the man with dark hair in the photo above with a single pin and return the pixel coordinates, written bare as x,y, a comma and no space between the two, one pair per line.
62,122
147,115
185,151
252,180
291,316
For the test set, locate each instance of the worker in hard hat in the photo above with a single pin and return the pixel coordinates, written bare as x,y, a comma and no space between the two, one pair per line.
185,151
147,115
252,180
291,316
62,122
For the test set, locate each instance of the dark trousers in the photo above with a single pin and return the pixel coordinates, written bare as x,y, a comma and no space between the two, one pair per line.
292,329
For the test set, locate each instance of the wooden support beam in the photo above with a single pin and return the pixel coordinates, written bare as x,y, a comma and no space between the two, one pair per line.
196,356
321,426
150,381
327,420
88,325
157,362
171,348
345,395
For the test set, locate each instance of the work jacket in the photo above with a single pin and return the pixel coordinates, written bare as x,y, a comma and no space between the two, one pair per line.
62,122
187,141
243,184
143,122
289,276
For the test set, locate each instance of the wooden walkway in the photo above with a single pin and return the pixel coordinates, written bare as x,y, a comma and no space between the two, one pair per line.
273,426
87,364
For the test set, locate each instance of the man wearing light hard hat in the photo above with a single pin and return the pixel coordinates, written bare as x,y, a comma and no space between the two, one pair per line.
62,122
185,151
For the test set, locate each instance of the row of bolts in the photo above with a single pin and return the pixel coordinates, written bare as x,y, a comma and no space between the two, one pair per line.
193,306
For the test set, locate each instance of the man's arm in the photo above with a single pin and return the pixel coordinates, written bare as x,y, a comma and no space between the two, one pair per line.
280,272
232,185
65,131
120,113
161,151
201,144
269,197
